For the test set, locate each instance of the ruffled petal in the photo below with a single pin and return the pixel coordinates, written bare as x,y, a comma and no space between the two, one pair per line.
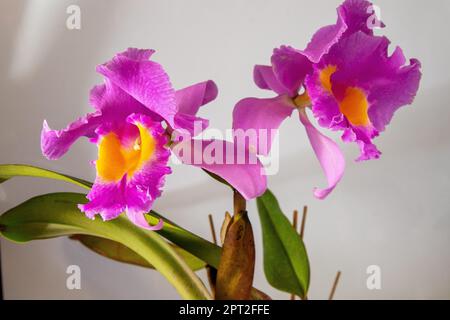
113,102
126,181
236,165
329,155
260,119
291,66
358,16
353,16
106,199
399,90
190,99
362,70
55,143
325,38
146,81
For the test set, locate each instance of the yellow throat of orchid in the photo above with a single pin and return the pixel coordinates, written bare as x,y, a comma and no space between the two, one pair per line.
354,106
115,160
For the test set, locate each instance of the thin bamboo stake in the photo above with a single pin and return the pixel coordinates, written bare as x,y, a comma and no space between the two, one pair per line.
213,229
302,227
294,224
335,284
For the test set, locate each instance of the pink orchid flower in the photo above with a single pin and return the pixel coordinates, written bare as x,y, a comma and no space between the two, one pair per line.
131,106
351,85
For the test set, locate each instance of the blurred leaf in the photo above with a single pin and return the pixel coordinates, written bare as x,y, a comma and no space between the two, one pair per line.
286,263
118,252
237,263
8,171
57,214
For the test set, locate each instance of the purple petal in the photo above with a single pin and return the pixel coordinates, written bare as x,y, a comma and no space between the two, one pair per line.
290,67
260,119
190,99
329,155
358,16
106,199
191,124
135,191
55,143
362,62
401,89
240,168
113,102
146,81
265,78
325,38
138,218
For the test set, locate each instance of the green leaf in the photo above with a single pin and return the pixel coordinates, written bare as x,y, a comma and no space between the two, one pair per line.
199,247
57,214
286,263
118,252
8,171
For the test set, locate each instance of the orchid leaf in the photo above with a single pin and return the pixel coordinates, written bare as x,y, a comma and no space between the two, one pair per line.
8,171
118,252
205,250
57,214
286,263
197,246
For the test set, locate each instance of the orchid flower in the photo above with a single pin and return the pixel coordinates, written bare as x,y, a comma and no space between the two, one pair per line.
350,83
131,107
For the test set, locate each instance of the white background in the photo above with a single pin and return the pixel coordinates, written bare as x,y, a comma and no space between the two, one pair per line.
393,212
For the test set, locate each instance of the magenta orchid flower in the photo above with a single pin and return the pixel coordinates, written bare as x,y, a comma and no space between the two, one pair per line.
133,146
351,85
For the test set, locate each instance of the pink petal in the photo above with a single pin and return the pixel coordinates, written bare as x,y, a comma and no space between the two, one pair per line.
190,124
133,194
329,155
262,117
190,99
290,67
138,218
265,78
241,169
55,143
146,81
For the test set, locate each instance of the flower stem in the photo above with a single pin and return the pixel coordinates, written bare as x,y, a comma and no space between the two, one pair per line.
237,262
239,203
